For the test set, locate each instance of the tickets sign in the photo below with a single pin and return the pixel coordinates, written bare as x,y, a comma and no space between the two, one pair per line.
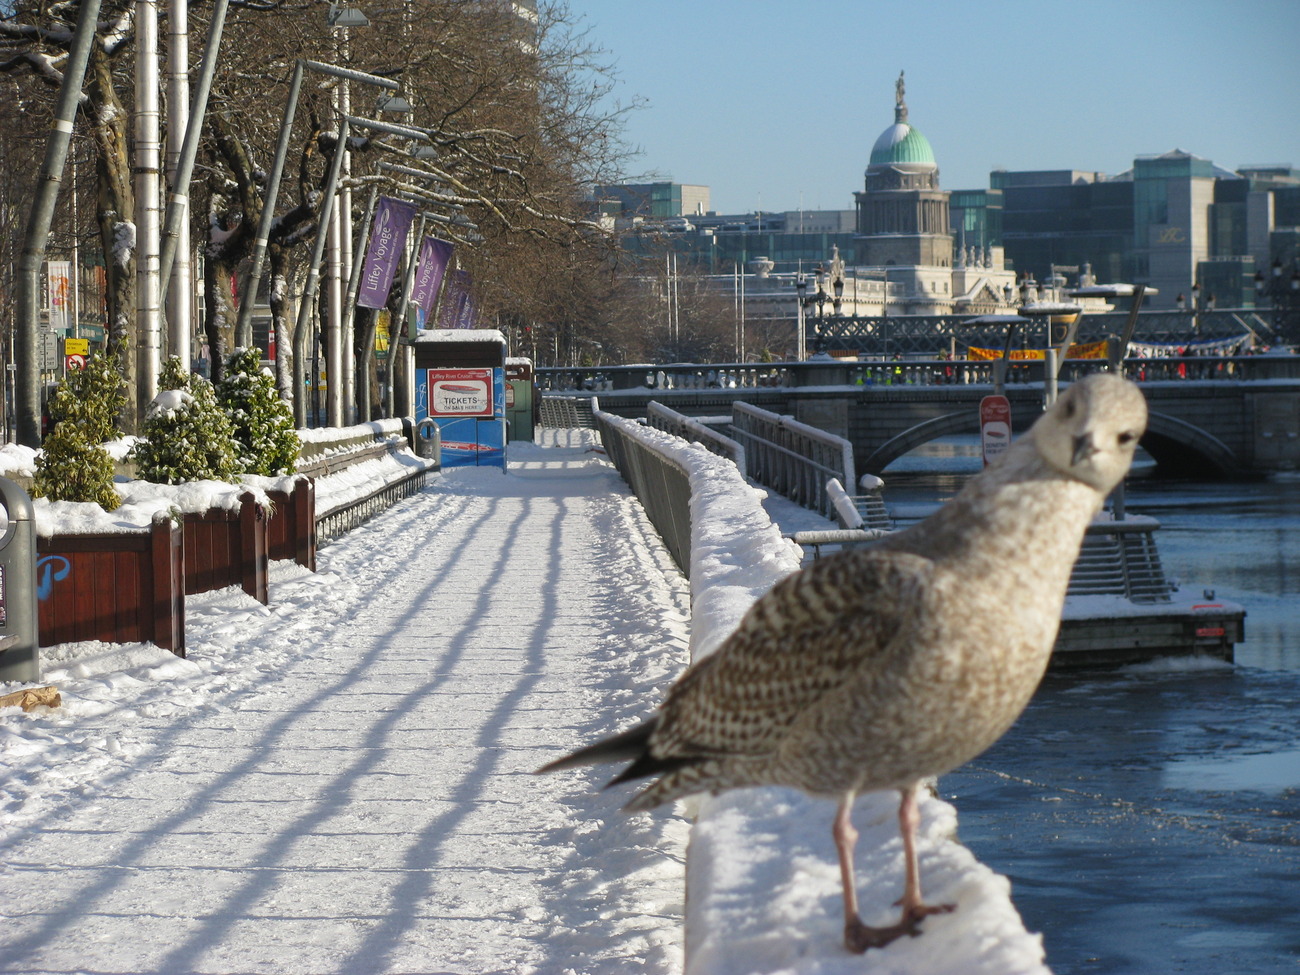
461,392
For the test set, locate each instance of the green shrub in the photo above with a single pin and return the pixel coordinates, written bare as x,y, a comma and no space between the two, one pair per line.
263,423
186,434
73,464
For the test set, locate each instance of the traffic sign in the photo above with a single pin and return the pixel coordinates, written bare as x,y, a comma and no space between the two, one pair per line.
995,426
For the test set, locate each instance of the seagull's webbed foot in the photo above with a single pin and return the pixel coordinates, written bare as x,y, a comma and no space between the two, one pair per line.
858,937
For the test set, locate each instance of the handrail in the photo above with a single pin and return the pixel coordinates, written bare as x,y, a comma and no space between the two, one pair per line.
794,459
690,429
912,371
661,483
564,412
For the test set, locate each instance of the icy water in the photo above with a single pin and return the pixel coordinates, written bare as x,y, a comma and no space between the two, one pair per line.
1149,818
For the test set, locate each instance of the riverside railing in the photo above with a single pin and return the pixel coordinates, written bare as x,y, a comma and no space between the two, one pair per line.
792,458
692,430
661,483
564,412
914,372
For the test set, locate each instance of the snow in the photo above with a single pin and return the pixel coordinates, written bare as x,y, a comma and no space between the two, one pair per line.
763,880
142,502
17,460
461,335
339,781
169,401
369,430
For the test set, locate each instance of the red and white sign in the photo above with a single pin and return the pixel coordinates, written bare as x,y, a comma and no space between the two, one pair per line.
995,426
460,392
71,362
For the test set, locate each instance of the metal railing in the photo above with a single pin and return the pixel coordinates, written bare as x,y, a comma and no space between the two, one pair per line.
674,376
915,371
564,412
691,430
1120,558
792,458
660,482
339,521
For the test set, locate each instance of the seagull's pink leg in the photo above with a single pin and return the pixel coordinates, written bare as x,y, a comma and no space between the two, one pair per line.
909,820
858,937
846,838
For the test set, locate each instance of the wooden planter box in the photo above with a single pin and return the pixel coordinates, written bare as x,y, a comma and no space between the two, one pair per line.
291,531
228,548
120,588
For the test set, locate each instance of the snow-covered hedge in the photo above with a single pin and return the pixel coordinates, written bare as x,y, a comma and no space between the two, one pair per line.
763,886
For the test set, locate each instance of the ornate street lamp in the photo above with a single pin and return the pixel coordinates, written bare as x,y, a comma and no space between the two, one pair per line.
801,286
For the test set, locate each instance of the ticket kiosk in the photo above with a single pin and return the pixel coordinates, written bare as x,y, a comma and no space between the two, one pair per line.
460,384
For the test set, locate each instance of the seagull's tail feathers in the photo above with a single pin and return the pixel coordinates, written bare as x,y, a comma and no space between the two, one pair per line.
630,745
677,775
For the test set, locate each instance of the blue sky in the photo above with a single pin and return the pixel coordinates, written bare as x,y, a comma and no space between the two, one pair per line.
775,105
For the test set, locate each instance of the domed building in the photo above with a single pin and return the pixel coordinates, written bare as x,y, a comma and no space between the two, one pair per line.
902,212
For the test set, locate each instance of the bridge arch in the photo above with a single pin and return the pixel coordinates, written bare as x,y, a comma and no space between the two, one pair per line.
1176,445
1181,447
949,424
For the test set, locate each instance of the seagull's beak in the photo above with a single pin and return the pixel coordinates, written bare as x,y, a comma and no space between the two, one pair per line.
1083,449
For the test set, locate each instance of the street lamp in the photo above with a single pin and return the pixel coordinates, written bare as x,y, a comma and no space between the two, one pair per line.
801,286
248,294
344,16
1282,301
318,251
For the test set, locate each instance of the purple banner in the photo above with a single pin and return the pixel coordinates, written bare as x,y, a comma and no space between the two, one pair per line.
435,256
457,308
387,240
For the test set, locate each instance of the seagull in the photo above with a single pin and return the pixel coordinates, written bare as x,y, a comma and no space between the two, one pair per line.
881,667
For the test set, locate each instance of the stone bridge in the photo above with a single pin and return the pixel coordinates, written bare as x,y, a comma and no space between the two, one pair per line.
1230,416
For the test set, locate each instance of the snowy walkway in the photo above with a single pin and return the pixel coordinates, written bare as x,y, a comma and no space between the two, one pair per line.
340,782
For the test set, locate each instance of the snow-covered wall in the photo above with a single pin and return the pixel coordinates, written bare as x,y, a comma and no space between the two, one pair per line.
763,887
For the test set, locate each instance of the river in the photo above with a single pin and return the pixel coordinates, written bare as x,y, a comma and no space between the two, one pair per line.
1149,817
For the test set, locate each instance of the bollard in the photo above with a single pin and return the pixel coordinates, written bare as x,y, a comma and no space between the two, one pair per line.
19,645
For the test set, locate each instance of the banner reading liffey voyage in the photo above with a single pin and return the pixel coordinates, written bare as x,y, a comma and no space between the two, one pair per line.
457,307
435,256
387,240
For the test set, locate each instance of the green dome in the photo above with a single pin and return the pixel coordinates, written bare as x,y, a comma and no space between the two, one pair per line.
902,145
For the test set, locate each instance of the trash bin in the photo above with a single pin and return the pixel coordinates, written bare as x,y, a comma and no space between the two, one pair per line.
428,439
19,645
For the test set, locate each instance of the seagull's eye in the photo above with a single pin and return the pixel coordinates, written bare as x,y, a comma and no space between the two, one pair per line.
1069,409
1127,437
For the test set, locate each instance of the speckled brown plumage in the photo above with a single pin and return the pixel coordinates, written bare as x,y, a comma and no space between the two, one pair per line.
879,667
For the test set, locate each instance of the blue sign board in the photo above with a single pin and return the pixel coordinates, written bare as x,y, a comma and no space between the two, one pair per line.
469,407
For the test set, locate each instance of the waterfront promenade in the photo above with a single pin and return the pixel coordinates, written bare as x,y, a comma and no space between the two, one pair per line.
341,781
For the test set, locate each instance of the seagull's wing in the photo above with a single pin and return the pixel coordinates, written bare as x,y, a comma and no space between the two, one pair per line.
806,637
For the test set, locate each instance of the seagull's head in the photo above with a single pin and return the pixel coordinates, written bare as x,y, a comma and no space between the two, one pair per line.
1092,430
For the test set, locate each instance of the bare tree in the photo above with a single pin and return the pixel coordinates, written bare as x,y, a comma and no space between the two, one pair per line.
516,109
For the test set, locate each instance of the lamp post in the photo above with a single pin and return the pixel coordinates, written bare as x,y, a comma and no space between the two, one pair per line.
248,293
801,346
318,250
1283,299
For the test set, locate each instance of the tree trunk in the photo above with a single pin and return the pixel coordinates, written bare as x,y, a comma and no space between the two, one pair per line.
367,374
115,206
218,311
278,301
